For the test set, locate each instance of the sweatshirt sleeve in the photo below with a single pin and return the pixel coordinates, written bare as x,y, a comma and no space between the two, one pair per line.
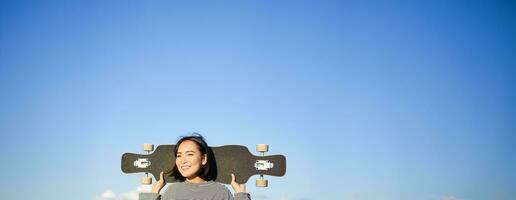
242,196
149,196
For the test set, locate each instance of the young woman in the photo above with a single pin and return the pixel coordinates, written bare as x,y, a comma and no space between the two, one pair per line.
195,169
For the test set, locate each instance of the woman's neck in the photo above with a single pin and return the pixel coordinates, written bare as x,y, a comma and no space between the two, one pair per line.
195,180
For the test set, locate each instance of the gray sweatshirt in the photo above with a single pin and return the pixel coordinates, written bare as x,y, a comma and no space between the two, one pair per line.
196,191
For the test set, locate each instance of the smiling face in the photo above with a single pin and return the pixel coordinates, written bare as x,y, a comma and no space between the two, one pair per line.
189,160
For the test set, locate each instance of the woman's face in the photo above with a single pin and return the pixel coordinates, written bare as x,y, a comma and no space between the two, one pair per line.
189,159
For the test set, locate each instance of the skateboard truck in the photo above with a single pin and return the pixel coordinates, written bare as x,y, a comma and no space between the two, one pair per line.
262,165
145,163
142,163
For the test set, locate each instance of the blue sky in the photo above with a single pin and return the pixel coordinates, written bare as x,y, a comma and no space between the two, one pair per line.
387,100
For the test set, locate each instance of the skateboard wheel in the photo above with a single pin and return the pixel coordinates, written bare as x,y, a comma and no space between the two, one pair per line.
262,147
146,180
148,147
261,182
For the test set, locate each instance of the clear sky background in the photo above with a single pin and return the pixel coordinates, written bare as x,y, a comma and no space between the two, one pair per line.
369,100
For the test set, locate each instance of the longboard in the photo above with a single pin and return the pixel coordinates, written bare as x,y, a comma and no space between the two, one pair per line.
229,159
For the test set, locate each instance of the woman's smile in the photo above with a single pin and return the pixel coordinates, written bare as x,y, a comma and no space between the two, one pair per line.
185,167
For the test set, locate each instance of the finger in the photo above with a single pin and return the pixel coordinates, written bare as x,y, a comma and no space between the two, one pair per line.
232,178
161,176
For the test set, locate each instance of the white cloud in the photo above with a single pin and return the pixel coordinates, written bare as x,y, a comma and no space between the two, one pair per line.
107,195
131,195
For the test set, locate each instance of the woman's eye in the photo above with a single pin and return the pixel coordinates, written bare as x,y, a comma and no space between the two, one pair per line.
179,156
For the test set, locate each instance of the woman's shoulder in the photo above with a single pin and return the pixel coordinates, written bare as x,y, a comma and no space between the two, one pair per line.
220,191
219,186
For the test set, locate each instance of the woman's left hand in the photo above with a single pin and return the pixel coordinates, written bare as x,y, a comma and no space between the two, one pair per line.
236,186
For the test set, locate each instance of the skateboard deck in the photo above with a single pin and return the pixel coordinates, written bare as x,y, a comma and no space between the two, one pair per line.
229,159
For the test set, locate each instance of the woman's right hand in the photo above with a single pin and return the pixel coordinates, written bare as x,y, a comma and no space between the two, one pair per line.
156,188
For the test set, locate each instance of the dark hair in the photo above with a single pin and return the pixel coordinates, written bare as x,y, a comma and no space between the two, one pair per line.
208,171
